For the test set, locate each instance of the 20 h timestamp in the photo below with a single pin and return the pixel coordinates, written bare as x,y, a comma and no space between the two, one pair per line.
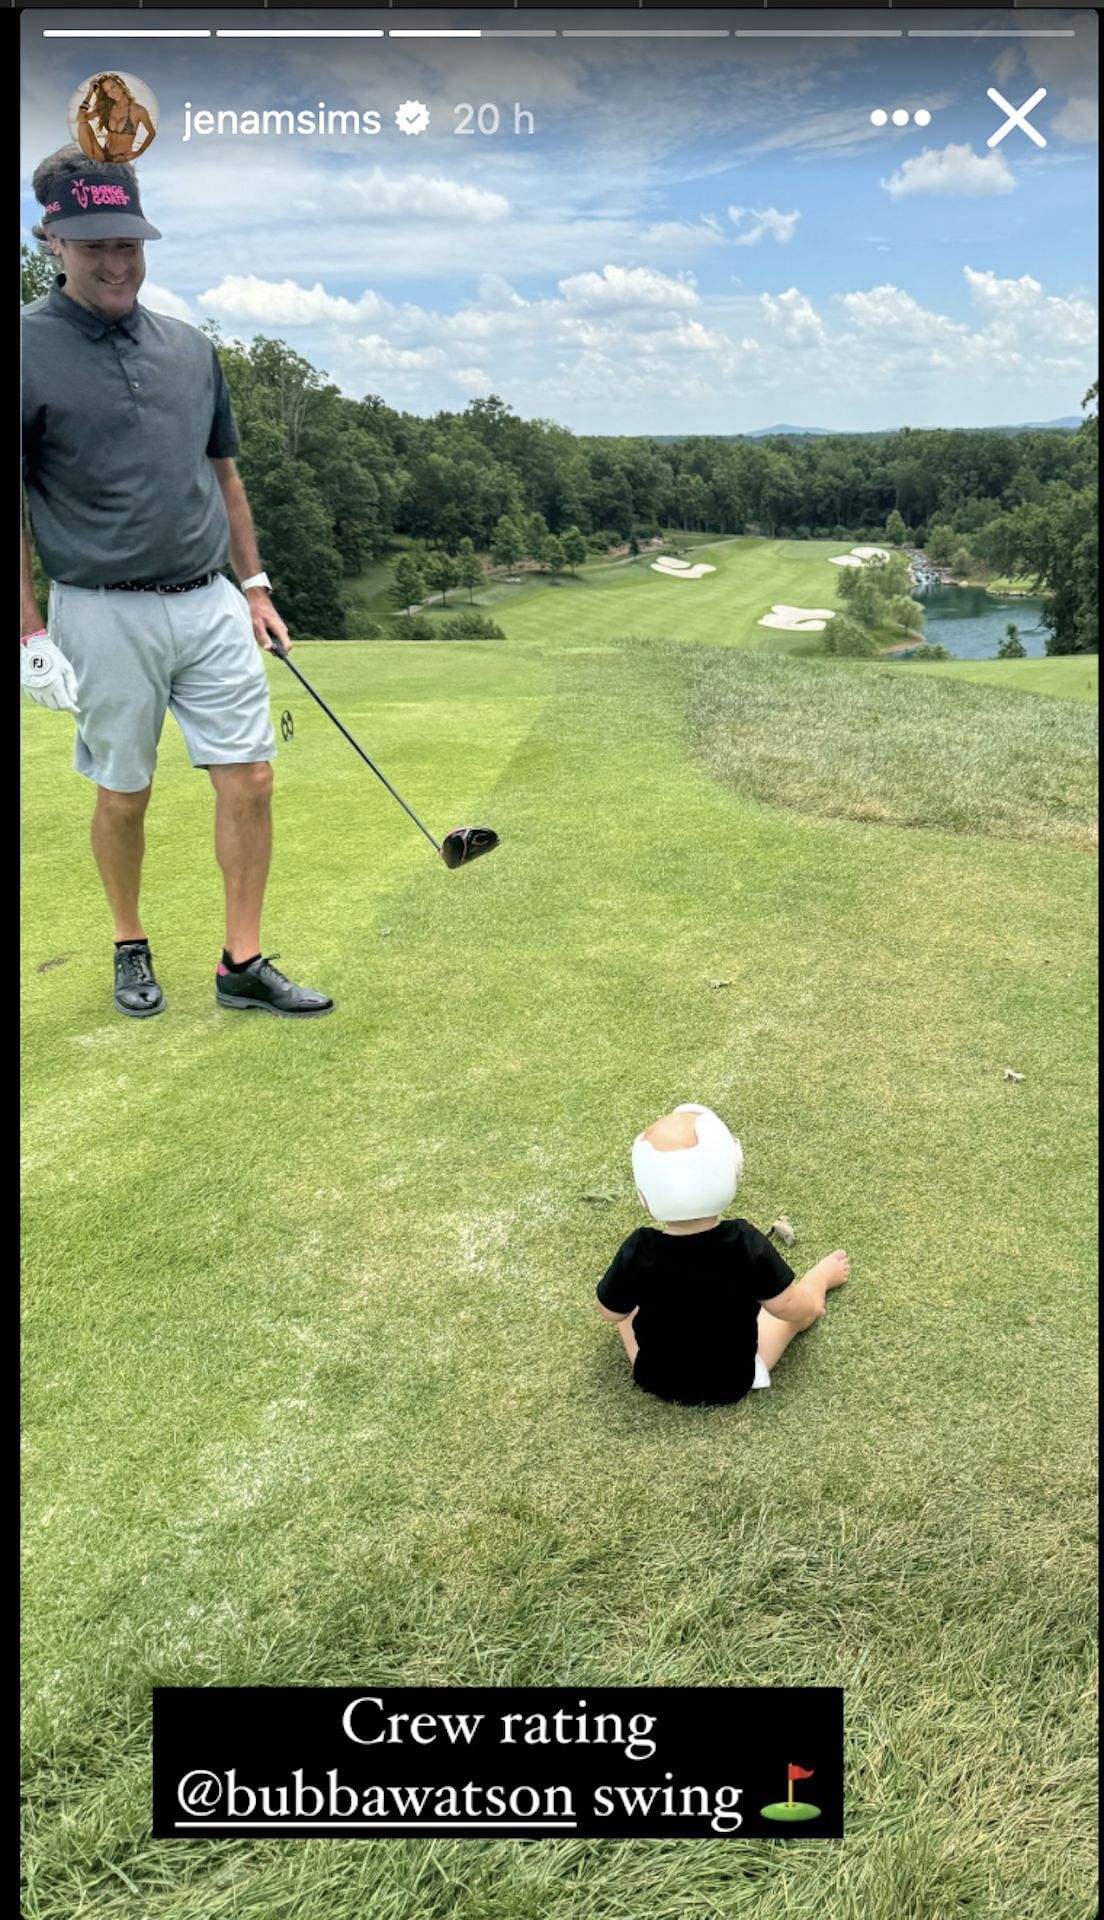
490,119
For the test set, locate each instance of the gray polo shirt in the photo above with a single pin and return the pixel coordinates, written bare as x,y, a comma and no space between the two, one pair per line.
121,421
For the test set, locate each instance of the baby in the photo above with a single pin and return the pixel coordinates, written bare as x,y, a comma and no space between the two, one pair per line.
687,1299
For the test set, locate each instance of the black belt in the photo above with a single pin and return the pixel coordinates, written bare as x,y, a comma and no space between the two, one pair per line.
150,586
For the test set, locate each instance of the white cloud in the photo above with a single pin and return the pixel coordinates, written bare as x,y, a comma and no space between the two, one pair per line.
472,380
162,300
283,303
1005,65
484,327
780,226
1078,121
840,130
374,351
891,311
952,170
420,196
793,317
692,335
1068,70
1023,305
989,291
626,288
606,343
495,292
669,236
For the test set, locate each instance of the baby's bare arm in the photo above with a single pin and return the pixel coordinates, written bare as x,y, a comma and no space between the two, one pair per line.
607,1315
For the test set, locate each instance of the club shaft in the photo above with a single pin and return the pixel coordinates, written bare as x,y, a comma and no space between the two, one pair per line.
357,748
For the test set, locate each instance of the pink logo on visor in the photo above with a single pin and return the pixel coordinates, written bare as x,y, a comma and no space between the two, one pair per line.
98,196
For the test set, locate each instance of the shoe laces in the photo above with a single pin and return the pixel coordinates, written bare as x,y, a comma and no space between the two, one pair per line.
267,967
135,963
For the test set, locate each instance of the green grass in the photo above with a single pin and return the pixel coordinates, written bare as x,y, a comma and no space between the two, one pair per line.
609,601
370,590
1012,583
857,744
315,1390
1064,677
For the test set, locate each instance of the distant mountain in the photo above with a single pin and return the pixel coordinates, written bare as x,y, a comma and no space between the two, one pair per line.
1068,424
768,433
794,433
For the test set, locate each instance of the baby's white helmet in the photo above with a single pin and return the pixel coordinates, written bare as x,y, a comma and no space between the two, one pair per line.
689,1183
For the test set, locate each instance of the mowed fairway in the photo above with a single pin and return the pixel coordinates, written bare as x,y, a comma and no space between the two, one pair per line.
315,1388
609,600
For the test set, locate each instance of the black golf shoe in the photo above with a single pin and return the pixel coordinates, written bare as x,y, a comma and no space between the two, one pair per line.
137,993
262,985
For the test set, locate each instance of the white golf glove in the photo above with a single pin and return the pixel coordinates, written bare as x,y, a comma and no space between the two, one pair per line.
46,675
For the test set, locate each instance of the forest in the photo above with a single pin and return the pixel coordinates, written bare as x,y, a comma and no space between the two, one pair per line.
335,481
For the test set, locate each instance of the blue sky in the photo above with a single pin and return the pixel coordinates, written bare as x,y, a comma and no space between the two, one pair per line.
699,236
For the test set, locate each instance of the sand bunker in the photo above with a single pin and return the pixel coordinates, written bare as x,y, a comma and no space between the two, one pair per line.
680,569
859,556
798,619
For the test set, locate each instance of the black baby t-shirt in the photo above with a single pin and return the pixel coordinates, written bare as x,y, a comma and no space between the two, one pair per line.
697,1296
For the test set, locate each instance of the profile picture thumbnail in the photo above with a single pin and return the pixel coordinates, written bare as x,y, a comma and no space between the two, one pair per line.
113,117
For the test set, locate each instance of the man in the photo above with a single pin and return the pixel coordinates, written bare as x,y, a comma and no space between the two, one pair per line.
136,506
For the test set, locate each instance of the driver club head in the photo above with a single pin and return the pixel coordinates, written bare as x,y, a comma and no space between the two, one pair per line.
467,843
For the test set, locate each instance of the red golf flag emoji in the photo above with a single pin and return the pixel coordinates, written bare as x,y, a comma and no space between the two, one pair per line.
791,1809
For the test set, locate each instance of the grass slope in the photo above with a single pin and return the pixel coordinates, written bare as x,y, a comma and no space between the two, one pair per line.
1064,676
857,743
315,1388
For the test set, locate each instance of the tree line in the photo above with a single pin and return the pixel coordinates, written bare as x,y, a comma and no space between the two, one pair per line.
333,480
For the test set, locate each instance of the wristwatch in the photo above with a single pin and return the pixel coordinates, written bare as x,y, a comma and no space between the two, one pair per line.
256,580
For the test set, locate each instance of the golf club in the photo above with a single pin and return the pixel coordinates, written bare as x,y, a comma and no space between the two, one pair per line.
459,846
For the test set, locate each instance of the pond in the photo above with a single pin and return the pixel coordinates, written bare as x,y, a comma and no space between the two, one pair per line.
970,623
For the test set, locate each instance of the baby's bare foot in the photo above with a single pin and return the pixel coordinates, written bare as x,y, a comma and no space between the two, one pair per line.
832,1271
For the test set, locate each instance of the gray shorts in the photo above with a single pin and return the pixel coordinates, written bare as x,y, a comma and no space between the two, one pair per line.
138,655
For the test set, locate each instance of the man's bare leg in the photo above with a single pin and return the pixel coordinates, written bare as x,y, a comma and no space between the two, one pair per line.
243,848
118,844
775,1335
243,843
